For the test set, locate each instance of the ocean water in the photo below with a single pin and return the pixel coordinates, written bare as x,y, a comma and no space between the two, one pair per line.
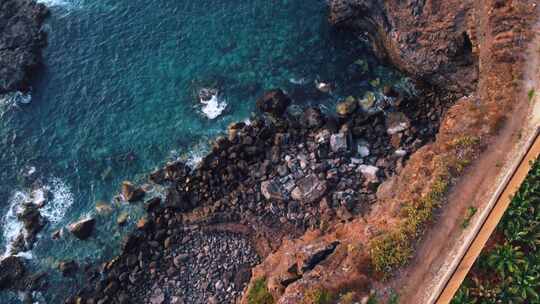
119,96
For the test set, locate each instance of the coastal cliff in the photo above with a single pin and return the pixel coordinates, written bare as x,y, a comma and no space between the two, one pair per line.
433,41
299,206
436,42
21,42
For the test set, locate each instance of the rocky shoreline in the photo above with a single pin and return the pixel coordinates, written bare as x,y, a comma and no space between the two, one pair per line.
273,179
283,175
21,42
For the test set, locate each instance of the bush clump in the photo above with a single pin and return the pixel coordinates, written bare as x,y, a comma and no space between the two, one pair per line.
318,296
259,294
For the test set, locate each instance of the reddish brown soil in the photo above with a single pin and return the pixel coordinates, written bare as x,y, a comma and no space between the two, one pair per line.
496,114
496,90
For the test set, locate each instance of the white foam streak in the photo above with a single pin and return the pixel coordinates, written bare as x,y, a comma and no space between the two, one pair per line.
10,224
298,81
58,3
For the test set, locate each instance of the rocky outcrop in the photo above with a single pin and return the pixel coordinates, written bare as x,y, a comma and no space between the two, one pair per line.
270,180
21,41
132,193
11,270
83,229
431,40
68,268
274,102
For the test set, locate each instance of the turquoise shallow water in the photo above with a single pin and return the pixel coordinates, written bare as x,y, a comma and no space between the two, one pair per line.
117,98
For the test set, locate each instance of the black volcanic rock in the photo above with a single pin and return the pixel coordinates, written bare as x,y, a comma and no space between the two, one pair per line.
83,228
11,270
21,41
274,102
68,268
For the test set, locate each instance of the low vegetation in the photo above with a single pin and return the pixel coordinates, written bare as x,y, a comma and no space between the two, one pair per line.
258,294
394,248
508,270
531,94
318,296
471,211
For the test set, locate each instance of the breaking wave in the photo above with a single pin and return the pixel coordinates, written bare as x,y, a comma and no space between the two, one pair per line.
56,198
214,107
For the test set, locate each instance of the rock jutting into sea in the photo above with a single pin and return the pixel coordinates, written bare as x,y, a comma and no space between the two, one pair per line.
21,42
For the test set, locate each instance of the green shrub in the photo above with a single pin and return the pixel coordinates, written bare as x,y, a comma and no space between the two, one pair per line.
531,94
318,296
471,211
258,294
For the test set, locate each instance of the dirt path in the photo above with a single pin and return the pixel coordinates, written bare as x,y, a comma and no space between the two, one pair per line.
441,245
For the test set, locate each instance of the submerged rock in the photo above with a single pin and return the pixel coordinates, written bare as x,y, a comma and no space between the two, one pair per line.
68,268
274,102
347,107
103,208
82,229
122,218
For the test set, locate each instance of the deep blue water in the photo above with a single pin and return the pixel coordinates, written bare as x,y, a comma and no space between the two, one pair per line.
118,97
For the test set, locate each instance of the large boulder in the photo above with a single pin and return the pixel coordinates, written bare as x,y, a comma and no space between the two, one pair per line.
274,102
272,191
309,189
83,229
11,270
132,193
347,107
338,142
31,218
68,268
178,200
311,255
313,118
397,122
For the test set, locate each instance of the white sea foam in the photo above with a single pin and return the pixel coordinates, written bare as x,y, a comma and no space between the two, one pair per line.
25,255
54,210
62,199
298,81
214,107
194,158
10,224
15,99
60,3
